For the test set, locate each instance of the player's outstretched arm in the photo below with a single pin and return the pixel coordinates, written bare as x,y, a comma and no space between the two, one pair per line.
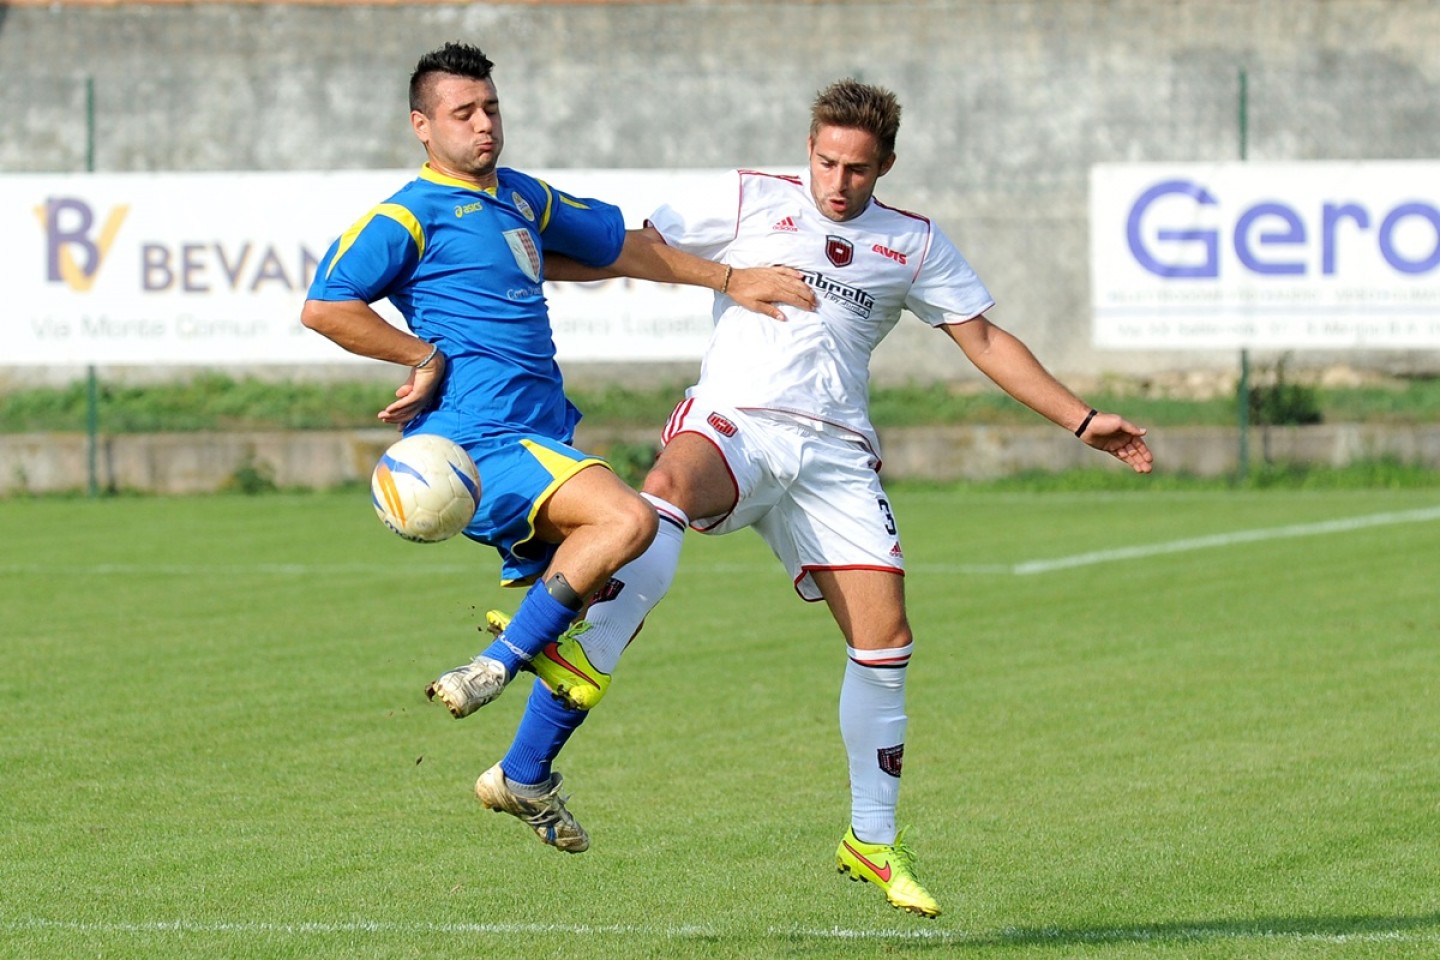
646,256
359,329
1005,360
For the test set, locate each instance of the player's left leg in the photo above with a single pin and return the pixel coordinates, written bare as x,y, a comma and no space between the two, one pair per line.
573,673
869,606
598,524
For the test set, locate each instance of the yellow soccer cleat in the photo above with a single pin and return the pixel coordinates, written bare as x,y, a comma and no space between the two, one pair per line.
562,665
890,867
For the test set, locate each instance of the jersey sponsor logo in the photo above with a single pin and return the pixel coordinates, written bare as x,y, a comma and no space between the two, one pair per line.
527,255
885,251
523,206
854,299
785,226
463,208
891,759
721,426
839,251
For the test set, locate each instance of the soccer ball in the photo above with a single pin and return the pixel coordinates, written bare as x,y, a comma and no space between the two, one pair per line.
425,488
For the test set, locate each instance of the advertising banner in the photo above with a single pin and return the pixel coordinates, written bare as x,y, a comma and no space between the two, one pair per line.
212,268
1269,255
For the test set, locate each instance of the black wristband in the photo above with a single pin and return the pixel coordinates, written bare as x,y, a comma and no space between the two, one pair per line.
1080,430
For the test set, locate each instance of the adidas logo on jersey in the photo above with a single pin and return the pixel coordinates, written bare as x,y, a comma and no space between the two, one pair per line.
785,226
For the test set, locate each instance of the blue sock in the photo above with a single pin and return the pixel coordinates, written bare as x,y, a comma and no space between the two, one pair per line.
540,619
544,729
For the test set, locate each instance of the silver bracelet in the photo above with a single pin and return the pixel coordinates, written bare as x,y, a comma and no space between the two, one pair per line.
434,349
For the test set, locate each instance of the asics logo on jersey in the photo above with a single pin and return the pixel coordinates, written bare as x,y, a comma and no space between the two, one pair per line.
785,226
462,209
853,298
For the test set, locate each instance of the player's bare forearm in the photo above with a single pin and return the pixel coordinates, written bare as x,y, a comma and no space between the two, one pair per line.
359,329
1009,363
646,256
352,324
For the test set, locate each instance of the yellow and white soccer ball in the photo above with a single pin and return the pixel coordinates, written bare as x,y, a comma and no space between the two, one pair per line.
425,488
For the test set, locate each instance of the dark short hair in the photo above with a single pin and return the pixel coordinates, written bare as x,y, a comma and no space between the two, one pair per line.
457,59
858,106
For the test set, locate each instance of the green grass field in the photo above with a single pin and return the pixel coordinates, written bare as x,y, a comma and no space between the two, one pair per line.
1150,724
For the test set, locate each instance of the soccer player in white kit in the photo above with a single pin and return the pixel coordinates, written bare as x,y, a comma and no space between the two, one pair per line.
776,434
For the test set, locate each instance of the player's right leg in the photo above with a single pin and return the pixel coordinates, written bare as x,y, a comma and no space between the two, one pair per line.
595,524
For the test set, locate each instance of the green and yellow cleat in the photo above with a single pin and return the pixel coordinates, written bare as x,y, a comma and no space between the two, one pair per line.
890,867
562,665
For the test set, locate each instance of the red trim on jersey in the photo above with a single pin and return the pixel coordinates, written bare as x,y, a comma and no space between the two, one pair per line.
788,177
850,431
677,417
914,216
805,571
673,429
929,236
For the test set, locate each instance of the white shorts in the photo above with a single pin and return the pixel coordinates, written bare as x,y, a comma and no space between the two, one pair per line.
814,496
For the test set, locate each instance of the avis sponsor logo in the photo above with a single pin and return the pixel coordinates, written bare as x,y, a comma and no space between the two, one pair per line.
885,251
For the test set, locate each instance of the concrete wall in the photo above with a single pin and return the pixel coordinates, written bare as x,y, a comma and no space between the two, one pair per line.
181,463
1007,104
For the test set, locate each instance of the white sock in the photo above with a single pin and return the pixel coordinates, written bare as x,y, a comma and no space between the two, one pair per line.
872,724
620,607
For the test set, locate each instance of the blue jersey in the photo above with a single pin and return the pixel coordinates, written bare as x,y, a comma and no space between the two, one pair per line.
464,266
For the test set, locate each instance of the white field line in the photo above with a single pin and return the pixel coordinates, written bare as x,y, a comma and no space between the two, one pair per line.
1321,528
1023,568
1010,935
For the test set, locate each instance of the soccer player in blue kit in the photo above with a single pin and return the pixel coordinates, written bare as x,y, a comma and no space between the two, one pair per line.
460,251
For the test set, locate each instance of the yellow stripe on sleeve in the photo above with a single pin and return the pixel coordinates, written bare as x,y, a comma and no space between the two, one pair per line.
393,211
549,204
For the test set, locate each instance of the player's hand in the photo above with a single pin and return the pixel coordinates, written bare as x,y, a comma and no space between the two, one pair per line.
1121,439
415,394
763,289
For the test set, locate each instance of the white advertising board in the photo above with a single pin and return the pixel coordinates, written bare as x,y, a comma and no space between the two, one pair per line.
212,268
1323,255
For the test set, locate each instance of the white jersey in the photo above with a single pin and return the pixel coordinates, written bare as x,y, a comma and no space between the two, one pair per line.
863,271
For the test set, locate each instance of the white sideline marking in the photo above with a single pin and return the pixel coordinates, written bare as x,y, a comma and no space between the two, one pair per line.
1227,540
1008,935
1023,568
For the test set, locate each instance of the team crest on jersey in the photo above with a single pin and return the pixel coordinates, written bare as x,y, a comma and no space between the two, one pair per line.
523,206
722,426
839,251
527,255
891,759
